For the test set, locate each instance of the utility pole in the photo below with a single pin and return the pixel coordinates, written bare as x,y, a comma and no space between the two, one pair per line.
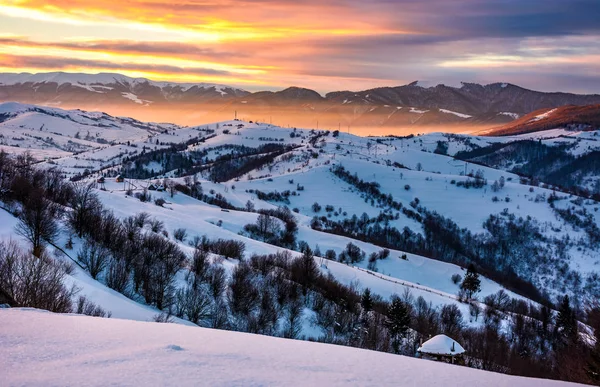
236,114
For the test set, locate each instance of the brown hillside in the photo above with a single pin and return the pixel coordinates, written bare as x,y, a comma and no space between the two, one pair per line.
570,117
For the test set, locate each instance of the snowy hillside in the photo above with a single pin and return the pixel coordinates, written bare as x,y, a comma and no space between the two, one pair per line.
74,350
286,232
55,134
418,171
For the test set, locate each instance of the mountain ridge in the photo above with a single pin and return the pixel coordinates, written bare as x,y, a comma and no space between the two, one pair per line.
411,105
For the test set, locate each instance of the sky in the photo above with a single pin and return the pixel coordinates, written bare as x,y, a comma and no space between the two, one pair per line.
546,45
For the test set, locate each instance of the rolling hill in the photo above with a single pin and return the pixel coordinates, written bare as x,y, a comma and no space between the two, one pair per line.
403,217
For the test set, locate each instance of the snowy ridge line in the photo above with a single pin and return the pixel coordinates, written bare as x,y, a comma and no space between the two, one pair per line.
407,284
423,288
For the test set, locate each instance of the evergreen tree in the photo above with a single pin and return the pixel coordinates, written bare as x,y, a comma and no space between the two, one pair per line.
471,283
397,322
566,324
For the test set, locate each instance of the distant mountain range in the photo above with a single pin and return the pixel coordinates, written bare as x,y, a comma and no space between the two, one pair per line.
411,105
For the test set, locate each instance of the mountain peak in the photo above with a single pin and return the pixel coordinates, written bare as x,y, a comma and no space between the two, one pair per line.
295,92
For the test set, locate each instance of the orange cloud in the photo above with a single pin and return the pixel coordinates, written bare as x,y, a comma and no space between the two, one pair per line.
214,20
335,44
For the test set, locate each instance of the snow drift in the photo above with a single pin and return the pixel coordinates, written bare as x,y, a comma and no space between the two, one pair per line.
42,348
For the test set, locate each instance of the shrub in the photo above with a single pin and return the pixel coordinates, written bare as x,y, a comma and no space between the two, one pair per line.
456,278
331,255
143,196
160,202
87,307
156,225
383,254
180,234
354,253
228,248
141,219
316,207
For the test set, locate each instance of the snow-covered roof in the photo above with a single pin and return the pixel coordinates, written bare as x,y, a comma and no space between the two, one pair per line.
441,345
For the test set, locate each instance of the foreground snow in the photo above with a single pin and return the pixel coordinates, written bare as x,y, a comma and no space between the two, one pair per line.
42,348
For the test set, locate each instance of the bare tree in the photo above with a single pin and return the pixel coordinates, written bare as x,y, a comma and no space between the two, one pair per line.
217,281
33,281
243,294
451,320
36,221
117,275
85,204
293,321
155,268
93,257
194,303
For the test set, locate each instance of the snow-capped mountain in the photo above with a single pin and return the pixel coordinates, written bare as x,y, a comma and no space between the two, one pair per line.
380,111
61,88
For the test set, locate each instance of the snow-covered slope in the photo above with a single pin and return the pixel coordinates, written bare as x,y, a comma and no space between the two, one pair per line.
41,348
405,168
113,302
52,133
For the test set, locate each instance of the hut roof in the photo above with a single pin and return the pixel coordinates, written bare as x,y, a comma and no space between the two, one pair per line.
441,345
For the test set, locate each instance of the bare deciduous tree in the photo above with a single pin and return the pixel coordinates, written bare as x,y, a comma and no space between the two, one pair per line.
36,221
33,281
93,257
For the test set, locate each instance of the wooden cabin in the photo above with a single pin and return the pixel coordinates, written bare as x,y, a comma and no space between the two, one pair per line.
120,179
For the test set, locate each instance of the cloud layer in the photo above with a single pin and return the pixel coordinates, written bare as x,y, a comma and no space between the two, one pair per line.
340,44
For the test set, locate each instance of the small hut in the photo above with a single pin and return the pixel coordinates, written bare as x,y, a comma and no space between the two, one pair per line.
100,180
120,179
441,348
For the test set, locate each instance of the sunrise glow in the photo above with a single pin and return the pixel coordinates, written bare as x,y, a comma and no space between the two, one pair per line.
320,45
